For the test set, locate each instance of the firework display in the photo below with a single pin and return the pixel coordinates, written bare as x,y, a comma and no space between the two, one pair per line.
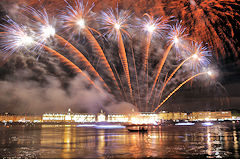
131,74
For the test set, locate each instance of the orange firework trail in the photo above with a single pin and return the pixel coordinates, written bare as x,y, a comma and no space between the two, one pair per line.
160,66
123,89
149,37
176,89
135,68
103,58
71,65
82,59
123,57
173,73
154,28
154,98
146,63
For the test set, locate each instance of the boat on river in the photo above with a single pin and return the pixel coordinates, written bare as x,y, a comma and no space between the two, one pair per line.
137,128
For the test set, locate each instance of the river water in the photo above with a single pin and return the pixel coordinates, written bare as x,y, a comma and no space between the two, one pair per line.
70,141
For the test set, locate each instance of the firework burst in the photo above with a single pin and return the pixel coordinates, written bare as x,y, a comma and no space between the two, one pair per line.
115,21
199,54
154,26
43,27
15,37
79,18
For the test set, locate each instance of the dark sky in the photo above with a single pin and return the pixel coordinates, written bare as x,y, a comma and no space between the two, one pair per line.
39,85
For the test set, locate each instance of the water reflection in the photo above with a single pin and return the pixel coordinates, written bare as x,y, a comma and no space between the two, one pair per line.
235,144
69,141
209,144
101,142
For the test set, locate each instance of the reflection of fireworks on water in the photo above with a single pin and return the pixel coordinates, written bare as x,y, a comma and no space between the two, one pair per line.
78,18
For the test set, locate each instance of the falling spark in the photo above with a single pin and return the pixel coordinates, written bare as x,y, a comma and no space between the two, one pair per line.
160,67
204,20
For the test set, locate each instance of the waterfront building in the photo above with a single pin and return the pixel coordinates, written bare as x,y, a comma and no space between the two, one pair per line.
163,115
101,117
147,118
135,118
68,117
210,116
20,118
117,118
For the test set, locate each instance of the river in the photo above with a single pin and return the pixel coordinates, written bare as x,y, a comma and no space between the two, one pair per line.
71,141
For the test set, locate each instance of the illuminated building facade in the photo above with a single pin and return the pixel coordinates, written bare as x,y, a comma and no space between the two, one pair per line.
135,118
210,116
68,117
144,118
117,118
172,116
101,117
20,118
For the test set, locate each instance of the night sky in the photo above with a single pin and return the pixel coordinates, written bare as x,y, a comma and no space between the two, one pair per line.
35,84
